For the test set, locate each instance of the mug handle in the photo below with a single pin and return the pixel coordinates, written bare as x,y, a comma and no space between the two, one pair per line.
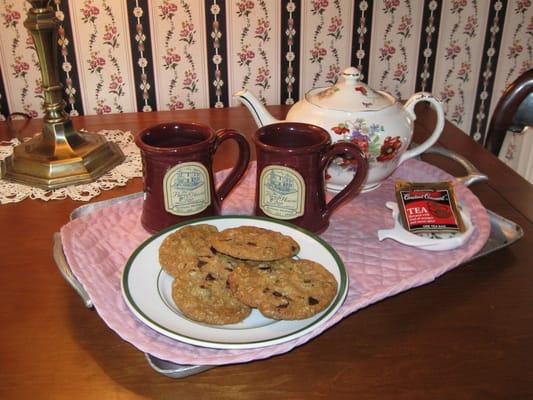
242,163
343,149
410,107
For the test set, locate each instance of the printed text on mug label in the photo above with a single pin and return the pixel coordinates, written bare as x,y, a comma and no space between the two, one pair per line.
186,189
281,192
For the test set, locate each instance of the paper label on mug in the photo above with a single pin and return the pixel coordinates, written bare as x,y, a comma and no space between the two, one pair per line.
281,192
186,189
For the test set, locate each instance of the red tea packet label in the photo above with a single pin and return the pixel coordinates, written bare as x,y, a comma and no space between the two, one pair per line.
428,207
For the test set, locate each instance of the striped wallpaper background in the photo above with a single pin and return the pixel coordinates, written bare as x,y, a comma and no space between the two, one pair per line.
147,55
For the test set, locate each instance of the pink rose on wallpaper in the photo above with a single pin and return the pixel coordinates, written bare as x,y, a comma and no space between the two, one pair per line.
458,6
319,6
387,51
515,49
116,85
187,32
190,77
452,51
400,73
168,9
11,18
246,55
245,7
262,77
335,27
89,12
470,26
447,94
262,30
96,63
404,28
175,104
102,108
190,81
111,36
333,74
464,71
171,60
318,53
20,67
390,6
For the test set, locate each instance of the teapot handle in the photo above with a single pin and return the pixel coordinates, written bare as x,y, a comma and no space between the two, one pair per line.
409,107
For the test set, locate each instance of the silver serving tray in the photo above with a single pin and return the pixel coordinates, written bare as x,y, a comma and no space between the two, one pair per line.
503,233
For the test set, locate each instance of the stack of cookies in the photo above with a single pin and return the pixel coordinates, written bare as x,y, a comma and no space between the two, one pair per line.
220,276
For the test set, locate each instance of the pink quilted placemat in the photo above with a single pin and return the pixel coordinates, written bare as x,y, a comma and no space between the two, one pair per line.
97,246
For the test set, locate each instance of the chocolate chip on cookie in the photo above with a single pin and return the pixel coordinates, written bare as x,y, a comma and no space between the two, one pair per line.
253,243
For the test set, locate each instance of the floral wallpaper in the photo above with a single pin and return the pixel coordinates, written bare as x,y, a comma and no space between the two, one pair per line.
394,40
459,45
326,41
147,55
103,54
254,40
177,54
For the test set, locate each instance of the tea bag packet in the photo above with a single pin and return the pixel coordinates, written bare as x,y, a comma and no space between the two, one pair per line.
429,207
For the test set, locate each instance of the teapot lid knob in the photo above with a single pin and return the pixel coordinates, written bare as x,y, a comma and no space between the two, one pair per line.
351,74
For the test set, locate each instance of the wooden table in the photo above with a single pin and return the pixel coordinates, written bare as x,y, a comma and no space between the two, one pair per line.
467,335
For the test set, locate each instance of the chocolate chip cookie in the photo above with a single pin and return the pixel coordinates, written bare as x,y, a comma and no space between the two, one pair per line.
202,293
286,289
253,243
186,247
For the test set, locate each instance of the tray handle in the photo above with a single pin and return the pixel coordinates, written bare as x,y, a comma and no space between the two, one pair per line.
173,370
64,268
473,175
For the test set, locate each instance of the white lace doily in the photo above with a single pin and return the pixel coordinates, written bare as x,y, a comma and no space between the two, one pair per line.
131,167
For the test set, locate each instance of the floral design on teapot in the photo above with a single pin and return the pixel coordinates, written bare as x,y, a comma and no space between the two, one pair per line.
367,138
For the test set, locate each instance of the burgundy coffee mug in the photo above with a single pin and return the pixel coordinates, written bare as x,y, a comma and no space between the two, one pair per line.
178,172
291,164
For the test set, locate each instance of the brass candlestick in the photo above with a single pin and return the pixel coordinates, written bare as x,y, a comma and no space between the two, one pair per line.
59,155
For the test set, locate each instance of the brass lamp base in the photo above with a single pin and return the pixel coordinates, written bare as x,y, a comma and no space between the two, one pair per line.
60,155
81,159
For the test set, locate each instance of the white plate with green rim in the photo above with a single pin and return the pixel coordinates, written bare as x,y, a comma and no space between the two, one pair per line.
147,290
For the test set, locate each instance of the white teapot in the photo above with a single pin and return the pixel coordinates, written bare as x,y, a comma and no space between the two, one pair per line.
377,122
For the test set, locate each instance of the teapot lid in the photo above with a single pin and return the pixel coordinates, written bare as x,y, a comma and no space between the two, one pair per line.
349,94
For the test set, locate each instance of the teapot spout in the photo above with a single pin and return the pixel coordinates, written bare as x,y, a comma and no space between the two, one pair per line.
261,116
